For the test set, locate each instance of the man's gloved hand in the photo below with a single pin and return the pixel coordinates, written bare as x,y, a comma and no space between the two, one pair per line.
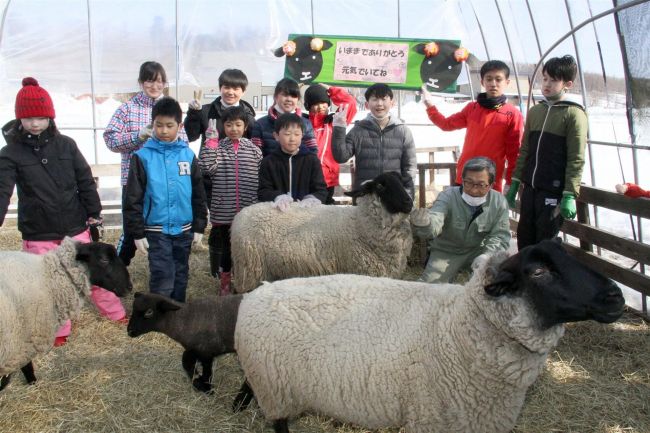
420,217
340,118
142,245
511,195
427,98
96,227
195,104
196,242
145,133
479,260
282,202
309,201
568,206
212,131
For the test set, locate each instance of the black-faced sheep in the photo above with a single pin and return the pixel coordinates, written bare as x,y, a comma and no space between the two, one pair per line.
378,352
38,293
441,70
373,238
204,327
303,62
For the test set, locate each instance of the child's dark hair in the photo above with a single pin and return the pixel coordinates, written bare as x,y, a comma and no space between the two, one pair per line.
286,120
167,106
233,78
288,87
378,90
562,68
235,113
495,65
150,71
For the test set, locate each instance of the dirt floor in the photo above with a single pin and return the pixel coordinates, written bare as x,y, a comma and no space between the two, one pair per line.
598,379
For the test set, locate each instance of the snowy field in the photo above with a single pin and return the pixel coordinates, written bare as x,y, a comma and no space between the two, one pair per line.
611,166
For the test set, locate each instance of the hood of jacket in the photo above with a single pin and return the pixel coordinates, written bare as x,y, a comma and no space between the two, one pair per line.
302,150
13,135
568,101
370,123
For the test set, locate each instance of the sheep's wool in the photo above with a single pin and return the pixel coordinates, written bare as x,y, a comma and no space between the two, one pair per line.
269,245
37,294
379,352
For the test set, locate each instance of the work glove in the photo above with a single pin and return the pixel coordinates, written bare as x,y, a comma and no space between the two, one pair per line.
309,201
568,206
427,98
142,245
340,118
196,242
479,260
511,195
195,104
145,133
282,202
212,135
96,227
420,217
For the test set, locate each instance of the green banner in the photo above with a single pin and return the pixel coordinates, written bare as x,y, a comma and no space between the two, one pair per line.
362,61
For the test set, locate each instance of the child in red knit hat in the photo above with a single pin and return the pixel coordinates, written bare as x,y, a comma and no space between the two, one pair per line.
57,194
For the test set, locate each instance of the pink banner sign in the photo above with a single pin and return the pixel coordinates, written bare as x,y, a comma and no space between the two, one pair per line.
378,62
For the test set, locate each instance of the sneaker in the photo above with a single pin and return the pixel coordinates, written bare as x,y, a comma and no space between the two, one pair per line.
60,341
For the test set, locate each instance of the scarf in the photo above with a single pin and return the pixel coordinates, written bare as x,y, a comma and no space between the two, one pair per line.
490,103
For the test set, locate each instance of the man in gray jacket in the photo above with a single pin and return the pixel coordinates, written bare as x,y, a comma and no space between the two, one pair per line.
463,223
379,143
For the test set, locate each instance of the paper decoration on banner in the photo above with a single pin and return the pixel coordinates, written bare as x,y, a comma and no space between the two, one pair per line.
359,61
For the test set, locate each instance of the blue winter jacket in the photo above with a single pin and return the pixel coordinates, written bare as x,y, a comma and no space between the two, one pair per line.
164,190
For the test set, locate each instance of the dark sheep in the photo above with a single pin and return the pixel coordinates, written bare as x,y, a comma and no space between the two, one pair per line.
305,64
442,70
204,327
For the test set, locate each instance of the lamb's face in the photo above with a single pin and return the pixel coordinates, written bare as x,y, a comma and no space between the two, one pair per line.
105,268
389,187
149,309
559,288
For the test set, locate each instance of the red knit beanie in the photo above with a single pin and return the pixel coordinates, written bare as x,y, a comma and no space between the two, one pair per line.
33,101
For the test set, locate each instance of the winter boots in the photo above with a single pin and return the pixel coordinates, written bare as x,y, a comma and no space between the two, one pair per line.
225,284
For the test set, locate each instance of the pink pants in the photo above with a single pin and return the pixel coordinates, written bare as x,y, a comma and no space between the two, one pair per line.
107,303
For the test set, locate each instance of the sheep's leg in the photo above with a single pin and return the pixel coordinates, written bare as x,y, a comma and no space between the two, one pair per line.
189,363
28,372
243,398
4,381
202,383
281,426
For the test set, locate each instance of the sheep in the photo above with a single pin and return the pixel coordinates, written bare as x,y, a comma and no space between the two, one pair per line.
304,63
373,238
378,352
38,293
204,327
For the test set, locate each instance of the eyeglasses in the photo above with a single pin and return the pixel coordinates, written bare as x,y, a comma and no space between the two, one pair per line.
469,185
157,83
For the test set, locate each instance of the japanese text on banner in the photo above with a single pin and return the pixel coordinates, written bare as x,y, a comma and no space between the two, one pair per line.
379,62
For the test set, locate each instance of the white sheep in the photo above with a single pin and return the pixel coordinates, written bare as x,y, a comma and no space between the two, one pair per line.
38,293
373,238
378,352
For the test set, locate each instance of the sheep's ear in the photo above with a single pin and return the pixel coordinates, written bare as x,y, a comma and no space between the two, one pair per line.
366,188
278,52
168,305
83,252
419,48
505,280
326,45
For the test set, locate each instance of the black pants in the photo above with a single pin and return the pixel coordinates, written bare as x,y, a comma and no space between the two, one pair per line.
126,243
219,243
540,216
330,195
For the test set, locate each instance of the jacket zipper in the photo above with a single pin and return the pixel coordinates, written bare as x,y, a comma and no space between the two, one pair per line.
539,143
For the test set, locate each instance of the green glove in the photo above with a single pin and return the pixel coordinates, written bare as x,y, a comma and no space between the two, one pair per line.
511,195
568,206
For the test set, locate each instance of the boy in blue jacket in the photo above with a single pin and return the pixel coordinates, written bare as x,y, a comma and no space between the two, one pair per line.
165,209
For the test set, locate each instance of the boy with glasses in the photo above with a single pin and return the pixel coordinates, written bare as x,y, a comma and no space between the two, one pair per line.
463,223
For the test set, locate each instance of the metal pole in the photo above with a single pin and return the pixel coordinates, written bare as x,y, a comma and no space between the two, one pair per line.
512,57
399,92
532,22
178,53
92,79
311,7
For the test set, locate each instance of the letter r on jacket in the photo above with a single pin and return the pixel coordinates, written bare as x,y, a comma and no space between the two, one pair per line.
184,168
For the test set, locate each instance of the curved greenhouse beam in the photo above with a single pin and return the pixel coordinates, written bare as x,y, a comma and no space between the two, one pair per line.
2,21
572,31
512,57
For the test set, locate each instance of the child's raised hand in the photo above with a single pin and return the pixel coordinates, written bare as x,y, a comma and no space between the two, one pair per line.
145,133
427,98
212,132
195,104
340,118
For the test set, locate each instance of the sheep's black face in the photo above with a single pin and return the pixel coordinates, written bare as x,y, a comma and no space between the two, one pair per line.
390,188
148,311
560,288
106,268
440,71
305,65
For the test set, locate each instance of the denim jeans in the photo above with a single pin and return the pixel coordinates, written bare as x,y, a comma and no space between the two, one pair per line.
169,263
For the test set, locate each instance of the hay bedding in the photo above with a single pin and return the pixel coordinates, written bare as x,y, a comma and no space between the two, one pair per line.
598,380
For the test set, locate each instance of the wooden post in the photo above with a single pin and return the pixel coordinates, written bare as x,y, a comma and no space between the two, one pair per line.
582,210
423,188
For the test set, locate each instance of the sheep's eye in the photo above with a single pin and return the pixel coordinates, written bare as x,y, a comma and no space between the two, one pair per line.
148,314
297,59
538,272
313,57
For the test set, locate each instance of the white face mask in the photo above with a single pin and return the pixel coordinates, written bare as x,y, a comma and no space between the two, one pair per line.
554,98
473,201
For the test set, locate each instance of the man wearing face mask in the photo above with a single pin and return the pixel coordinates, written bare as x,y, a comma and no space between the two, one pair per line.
464,222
